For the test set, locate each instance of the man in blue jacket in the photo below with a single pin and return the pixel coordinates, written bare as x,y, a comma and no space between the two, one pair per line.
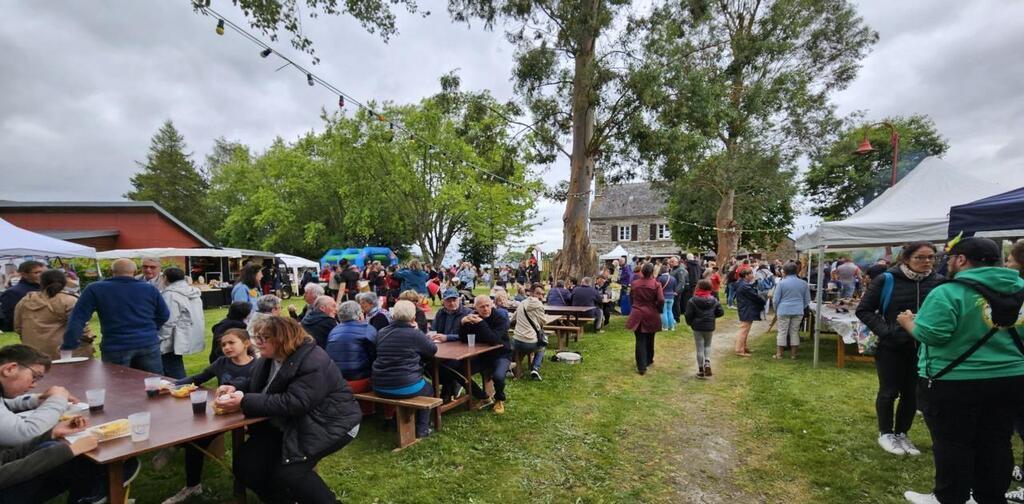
30,272
131,314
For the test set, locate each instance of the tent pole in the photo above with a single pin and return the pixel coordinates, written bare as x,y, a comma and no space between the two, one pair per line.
99,271
818,295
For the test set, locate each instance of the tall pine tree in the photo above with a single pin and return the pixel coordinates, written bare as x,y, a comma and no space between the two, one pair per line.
171,179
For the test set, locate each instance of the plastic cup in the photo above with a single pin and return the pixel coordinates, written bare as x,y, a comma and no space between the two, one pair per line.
152,386
139,423
471,340
198,398
65,355
95,398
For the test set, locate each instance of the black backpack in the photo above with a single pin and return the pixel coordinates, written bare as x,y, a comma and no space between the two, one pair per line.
1005,311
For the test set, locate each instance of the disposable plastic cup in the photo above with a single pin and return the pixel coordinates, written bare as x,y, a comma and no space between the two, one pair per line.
95,398
152,386
471,340
65,355
139,423
198,398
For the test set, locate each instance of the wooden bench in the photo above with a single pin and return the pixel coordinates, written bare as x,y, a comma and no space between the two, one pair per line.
405,413
520,367
564,332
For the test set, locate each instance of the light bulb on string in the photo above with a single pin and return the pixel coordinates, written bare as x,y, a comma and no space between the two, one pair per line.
341,101
266,52
220,27
309,79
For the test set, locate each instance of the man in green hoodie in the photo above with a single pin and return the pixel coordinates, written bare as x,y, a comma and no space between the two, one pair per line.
971,368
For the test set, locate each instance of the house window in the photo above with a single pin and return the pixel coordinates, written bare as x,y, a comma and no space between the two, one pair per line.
662,232
625,233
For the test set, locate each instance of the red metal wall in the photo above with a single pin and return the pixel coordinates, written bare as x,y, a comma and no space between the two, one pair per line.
138,227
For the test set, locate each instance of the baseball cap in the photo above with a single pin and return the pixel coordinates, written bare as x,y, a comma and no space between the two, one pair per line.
450,293
977,249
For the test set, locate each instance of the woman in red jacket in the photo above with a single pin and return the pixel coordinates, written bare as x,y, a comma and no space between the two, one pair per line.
645,318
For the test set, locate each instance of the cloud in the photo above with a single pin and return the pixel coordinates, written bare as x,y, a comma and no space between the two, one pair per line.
85,86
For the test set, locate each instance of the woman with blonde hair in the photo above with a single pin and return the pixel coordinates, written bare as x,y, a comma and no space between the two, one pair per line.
311,412
41,317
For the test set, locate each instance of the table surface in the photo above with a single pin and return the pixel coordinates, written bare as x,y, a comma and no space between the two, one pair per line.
171,423
457,350
569,310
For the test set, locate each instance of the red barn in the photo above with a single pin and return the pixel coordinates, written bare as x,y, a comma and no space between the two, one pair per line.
103,225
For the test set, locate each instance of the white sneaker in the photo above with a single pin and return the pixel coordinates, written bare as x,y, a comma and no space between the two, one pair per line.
891,444
920,498
1015,495
1018,475
185,493
907,445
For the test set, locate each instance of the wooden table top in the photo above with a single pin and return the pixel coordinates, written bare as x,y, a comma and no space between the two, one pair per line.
567,310
171,423
457,350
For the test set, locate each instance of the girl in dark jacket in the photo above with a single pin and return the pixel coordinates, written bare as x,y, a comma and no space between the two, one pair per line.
896,357
311,414
701,311
645,318
750,304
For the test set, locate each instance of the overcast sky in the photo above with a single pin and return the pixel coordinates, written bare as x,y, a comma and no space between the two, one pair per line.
85,85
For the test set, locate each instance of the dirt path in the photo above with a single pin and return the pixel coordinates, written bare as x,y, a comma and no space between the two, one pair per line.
705,454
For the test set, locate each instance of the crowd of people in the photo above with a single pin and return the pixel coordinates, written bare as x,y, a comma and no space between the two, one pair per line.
947,348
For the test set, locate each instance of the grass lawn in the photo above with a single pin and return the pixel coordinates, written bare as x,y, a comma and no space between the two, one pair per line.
597,432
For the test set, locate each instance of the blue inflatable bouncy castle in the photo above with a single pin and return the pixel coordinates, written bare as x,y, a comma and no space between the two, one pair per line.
360,256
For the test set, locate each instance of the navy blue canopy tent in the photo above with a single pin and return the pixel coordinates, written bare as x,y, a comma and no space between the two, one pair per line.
995,213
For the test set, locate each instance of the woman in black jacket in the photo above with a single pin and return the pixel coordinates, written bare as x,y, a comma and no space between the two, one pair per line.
896,358
311,411
398,369
750,304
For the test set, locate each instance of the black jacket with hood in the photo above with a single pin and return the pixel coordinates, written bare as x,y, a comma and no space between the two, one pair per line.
907,294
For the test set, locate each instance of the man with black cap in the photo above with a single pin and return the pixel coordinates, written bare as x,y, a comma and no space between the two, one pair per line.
971,368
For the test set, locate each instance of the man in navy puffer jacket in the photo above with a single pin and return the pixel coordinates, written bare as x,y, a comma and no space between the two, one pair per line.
352,345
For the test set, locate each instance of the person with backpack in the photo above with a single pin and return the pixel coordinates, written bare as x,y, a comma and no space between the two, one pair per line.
971,367
903,287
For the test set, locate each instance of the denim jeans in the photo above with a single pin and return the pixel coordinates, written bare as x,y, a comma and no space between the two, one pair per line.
668,320
174,365
145,359
846,289
525,348
422,416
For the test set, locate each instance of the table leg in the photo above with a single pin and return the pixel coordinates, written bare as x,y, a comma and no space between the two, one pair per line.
115,482
840,352
237,436
437,393
469,384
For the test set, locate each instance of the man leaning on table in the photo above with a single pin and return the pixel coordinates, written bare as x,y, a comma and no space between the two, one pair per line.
131,314
36,462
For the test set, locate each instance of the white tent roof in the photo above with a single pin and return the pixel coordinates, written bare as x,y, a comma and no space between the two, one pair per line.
616,253
297,262
168,252
916,208
15,241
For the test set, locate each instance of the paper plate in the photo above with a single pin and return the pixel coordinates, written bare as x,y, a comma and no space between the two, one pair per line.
77,407
69,361
568,357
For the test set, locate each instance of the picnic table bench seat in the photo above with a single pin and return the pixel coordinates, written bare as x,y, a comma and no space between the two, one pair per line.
405,413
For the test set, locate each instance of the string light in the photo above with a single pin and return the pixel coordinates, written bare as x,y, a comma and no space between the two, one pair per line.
312,78
266,52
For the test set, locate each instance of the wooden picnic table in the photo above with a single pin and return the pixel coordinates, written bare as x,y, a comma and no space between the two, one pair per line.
458,351
571,313
171,419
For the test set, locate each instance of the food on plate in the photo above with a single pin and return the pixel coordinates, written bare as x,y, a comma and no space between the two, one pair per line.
112,430
183,391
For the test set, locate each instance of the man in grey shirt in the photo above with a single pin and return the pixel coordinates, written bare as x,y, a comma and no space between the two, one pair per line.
847,274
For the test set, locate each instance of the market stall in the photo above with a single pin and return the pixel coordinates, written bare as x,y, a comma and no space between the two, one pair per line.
1001,215
207,267
297,266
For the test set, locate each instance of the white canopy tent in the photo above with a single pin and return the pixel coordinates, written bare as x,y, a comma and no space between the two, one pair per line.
915,209
295,263
18,242
617,253
167,252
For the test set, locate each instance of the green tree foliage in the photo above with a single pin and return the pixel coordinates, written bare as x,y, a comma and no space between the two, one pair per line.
576,92
840,182
271,17
362,182
170,178
743,89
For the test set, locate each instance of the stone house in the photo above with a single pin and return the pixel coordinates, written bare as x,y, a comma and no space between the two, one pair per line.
630,215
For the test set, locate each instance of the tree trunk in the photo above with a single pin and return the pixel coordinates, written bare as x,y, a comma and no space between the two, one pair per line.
577,258
728,241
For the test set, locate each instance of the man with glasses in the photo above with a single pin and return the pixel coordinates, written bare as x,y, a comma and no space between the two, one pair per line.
24,417
30,272
152,272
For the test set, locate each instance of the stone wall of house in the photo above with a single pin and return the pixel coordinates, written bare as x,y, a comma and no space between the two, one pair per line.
641,245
